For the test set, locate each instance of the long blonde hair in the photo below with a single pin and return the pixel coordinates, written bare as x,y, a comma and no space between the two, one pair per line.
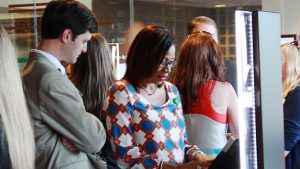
292,58
13,109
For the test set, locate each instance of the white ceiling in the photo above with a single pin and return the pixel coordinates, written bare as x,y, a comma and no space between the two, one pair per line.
208,3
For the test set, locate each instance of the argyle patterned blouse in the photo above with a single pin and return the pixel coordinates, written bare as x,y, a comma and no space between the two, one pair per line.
142,135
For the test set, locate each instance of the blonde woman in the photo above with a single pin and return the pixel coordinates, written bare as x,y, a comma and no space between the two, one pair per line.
16,134
291,107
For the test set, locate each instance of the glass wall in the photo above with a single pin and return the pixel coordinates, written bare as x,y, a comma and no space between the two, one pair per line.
20,20
120,20
117,16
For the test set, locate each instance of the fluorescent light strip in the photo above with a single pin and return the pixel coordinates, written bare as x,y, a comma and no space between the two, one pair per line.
220,5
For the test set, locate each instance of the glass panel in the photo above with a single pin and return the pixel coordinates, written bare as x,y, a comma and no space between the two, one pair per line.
20,18
175,15
120,20
114,17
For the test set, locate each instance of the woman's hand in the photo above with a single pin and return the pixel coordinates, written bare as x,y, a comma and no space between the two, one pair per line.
203,160
168,166
190,165
69,145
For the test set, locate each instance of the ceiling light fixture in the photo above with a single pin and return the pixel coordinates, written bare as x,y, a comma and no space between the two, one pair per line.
220,5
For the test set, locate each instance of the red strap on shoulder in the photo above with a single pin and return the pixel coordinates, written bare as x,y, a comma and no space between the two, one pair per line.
203,105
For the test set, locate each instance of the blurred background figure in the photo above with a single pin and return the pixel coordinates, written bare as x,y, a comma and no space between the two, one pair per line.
119,60
130,34
144,116
93,74
16,133
206,24
203,23
209,103
291,106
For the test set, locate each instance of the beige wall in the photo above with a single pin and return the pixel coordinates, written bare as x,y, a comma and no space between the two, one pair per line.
289,11
292,17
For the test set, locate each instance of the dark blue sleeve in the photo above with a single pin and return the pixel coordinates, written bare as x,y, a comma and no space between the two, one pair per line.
292,119
4,154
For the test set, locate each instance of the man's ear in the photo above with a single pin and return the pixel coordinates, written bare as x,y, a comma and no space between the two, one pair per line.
66,36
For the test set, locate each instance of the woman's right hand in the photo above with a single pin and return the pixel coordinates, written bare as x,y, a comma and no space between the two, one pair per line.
168,166
190,165
203,160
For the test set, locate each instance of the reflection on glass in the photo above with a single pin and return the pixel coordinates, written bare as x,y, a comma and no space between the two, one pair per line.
21,19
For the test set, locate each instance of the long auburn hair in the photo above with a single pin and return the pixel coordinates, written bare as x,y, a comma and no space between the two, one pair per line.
13,109
200,60
93,74
146,52
292,59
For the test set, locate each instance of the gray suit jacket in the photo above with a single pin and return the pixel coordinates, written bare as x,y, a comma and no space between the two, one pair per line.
58,111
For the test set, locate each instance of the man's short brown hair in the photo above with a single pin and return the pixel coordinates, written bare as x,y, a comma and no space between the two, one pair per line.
199,20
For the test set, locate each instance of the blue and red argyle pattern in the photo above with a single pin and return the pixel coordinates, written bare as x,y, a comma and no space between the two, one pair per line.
142,134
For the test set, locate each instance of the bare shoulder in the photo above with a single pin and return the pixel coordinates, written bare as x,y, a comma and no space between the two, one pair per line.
225,87
222,94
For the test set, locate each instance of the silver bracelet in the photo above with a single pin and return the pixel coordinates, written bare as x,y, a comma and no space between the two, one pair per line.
195,152
190,149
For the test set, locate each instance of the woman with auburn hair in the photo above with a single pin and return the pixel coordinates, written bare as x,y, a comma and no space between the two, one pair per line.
209,103
16,133
93,74
291,96
144,116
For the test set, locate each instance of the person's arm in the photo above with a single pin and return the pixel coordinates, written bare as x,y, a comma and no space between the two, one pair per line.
292,120
232,111
63,111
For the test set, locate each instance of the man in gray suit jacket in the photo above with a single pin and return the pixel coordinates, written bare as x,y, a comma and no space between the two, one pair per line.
55,105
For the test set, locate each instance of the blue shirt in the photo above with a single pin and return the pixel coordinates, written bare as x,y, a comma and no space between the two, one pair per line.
291,109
